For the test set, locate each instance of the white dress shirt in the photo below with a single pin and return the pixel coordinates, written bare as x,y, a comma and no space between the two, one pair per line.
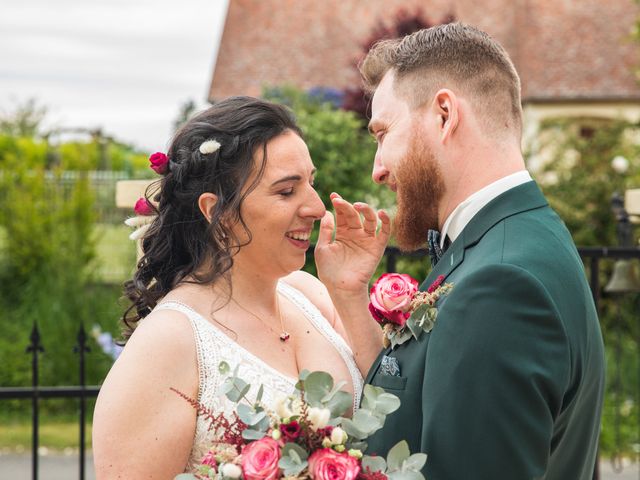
463,213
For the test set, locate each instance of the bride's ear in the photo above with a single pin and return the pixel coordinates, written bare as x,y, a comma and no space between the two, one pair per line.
206,202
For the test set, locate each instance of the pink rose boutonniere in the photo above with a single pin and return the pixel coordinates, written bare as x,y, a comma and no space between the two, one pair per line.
402,310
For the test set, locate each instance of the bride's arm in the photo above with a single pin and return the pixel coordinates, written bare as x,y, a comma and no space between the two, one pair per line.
142,429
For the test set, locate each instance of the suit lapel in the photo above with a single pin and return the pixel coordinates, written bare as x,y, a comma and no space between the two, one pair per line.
516,200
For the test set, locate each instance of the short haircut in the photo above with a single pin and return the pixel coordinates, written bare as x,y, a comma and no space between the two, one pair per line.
455,56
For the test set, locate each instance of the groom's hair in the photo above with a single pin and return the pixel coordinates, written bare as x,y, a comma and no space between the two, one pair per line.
454,56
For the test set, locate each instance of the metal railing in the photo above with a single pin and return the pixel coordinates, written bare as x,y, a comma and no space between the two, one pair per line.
592,256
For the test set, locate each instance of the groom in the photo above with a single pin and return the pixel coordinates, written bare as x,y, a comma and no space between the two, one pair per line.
509,383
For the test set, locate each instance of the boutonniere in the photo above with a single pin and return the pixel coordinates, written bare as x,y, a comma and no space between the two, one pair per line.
402,310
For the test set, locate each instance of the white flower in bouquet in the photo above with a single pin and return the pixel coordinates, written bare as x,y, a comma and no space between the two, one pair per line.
319,417
231,470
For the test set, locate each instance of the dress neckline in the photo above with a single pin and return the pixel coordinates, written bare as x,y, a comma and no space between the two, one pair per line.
218,331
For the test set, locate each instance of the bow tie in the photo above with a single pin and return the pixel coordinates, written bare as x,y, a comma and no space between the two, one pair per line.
433,241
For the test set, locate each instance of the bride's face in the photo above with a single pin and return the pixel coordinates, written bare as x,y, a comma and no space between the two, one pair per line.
280,212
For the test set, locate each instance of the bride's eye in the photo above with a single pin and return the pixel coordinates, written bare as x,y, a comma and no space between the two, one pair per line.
286,193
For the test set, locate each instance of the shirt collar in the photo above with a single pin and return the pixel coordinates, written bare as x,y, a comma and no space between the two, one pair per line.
467,209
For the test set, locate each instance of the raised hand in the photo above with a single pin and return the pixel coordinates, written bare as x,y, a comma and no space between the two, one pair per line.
347,263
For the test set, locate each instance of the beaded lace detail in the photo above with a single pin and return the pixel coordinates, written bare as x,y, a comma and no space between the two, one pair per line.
214,346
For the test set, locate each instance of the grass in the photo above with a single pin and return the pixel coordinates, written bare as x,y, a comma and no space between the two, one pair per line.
56,435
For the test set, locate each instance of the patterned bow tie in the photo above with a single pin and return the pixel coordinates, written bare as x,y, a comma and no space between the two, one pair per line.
433,241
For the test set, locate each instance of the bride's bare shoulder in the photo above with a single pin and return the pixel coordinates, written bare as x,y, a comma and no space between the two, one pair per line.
314,290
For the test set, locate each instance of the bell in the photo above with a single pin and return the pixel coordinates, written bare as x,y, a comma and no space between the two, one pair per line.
624,279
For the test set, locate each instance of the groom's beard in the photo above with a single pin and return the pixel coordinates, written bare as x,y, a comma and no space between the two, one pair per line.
420,189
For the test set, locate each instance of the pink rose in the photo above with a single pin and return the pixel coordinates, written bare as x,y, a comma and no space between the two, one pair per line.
159,162
327,464
260,459
391,297
143,207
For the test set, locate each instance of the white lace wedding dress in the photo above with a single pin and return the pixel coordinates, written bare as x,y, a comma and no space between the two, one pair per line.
214,346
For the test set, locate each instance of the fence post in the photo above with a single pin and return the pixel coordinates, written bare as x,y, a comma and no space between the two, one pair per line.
35,347
81,348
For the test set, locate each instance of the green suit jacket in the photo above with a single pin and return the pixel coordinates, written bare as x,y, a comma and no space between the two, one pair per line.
509,383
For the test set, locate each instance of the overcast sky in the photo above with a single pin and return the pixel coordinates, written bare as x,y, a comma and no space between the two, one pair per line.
124,65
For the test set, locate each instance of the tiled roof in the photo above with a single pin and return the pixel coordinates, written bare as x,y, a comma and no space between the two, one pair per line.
563,49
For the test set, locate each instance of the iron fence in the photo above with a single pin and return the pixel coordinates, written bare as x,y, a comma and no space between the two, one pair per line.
592,257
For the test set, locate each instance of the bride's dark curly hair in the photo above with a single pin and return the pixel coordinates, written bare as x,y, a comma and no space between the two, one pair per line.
180,241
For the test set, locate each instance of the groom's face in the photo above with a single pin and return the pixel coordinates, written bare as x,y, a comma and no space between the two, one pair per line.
406,164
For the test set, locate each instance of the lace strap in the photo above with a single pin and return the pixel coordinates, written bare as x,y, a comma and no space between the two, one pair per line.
204,350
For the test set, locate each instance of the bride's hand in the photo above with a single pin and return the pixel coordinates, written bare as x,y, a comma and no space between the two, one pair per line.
346,264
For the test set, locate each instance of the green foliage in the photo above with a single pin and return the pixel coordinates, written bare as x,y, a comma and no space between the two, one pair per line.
578,180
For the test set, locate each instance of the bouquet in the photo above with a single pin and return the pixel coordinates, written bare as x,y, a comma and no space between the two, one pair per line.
302,435
402,310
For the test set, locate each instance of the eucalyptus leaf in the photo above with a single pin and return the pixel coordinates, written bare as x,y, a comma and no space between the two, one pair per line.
374,464
370,396
304,373
356,445
245,413
400,337
335,390
224,368
340,403
260,393
250,434
415,462
225,387
412,325
263,424
366,421
387,403
317,385
290,467
406,475
352,430
397,455
185,476
293,448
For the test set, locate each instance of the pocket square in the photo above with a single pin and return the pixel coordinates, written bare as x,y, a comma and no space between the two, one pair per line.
390,366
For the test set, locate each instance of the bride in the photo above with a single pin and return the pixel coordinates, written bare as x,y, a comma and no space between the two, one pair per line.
220,280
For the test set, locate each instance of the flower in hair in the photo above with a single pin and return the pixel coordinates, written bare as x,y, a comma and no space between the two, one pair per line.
159,162
209,146
142,207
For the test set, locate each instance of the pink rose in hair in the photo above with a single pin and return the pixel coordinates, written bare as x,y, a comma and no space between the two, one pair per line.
260,459
391,297
159,162
143,207
327,464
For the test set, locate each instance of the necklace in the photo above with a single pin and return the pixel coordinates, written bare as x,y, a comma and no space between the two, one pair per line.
284,335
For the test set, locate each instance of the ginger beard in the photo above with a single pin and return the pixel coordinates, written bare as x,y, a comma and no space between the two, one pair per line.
420,187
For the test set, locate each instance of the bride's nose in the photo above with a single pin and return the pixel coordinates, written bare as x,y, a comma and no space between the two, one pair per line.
313,206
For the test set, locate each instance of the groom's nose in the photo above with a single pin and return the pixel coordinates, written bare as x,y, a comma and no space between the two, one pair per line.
380,173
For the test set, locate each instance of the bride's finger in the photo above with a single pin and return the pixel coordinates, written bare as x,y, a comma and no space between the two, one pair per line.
347,217
370,222
326,230
385,227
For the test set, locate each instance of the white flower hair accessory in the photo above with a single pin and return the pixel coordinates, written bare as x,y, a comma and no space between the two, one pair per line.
209,146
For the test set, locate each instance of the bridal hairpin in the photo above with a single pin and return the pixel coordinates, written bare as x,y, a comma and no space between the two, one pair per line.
209,146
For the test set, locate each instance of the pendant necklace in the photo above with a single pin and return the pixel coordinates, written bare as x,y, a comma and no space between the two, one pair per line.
284,335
